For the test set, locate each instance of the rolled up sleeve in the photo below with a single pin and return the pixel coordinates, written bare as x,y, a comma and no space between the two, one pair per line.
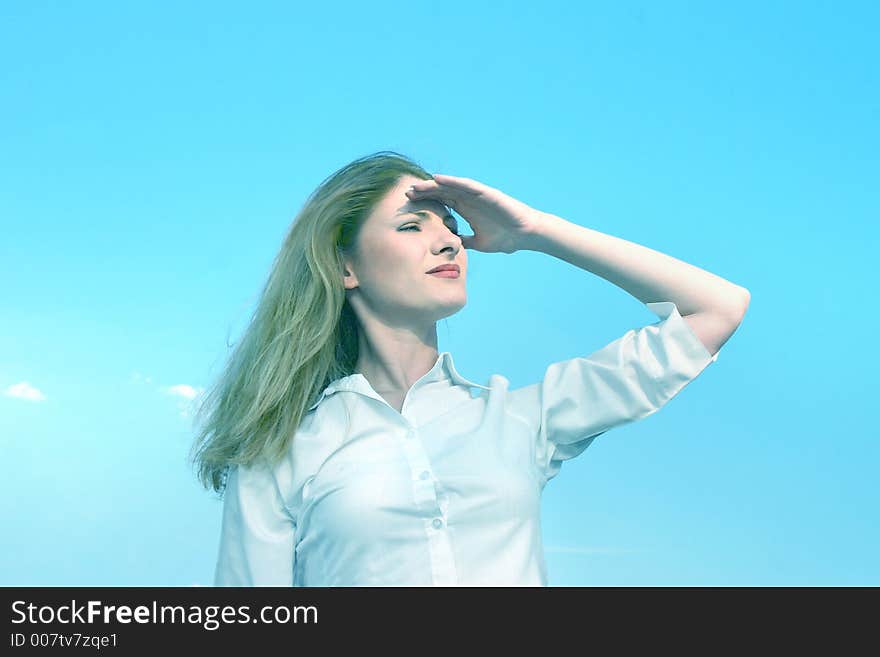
257,537
579,399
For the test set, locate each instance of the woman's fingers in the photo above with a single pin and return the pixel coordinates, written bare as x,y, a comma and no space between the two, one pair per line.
452,183
447,195
466,184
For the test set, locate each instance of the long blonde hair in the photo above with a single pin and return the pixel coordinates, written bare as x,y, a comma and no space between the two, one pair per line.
303,333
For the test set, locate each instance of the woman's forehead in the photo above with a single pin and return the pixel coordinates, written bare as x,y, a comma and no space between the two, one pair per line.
432,206
397,204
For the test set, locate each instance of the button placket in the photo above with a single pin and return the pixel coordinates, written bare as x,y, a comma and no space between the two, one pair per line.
443,568
443,503
417,459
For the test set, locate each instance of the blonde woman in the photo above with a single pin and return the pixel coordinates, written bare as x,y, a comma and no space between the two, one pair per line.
351,452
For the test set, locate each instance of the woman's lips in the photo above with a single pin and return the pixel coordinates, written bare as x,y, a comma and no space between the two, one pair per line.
446,273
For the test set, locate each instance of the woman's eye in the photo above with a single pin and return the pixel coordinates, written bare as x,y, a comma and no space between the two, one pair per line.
454,229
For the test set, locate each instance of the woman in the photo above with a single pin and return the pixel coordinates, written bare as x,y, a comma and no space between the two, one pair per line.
352,453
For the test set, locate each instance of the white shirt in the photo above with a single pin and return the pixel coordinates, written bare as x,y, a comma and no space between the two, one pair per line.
447,492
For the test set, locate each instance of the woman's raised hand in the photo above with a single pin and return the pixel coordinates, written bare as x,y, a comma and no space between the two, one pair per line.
500,223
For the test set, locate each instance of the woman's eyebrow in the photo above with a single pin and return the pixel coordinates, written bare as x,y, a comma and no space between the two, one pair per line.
424,214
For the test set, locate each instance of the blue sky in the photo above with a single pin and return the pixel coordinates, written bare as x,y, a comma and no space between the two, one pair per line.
153,155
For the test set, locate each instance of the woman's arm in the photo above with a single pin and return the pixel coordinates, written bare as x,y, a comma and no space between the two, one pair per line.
645,273
712,306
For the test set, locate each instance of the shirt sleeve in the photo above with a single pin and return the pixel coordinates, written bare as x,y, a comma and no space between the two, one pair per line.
632,377
257,537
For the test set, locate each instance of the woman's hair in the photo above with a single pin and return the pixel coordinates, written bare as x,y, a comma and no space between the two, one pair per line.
303,333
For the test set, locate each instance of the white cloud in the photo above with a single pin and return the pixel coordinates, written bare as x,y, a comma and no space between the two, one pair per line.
24,390
184,390
187,395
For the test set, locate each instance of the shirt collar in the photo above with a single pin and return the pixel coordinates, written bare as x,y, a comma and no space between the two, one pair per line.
443,369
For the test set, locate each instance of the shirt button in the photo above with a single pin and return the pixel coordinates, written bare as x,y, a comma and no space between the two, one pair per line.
425,474
437,523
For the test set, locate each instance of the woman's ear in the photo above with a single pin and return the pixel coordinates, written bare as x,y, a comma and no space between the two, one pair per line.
349,280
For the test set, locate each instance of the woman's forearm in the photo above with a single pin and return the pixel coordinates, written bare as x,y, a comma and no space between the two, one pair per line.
646,274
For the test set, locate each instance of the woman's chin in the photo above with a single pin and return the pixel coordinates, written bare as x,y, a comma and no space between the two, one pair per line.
446,310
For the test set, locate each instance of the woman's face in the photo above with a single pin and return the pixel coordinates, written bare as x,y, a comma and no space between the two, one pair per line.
387,274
